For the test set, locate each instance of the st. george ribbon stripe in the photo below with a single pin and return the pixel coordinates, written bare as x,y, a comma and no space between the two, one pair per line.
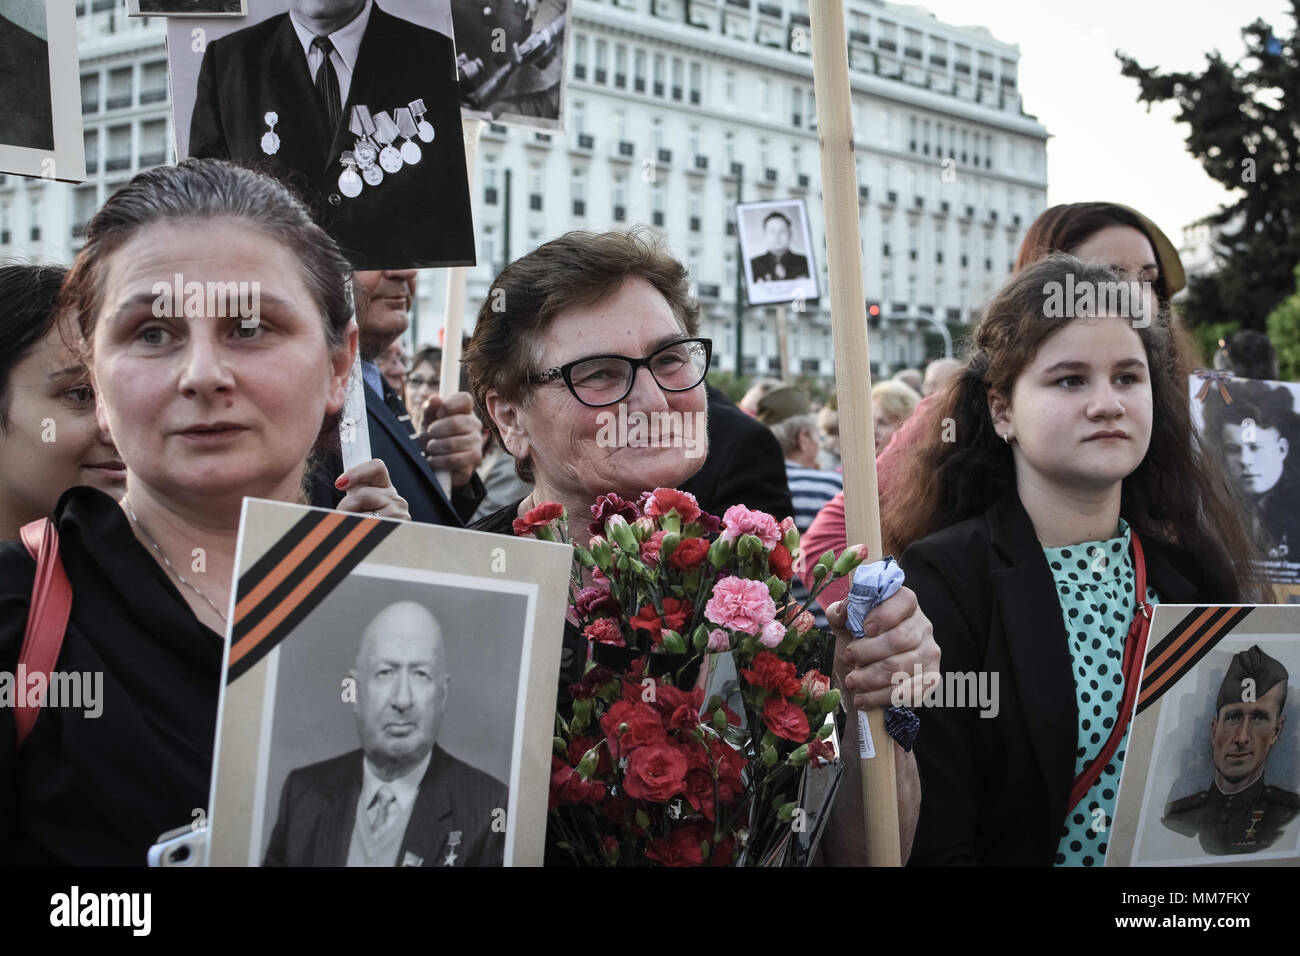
276,595
1184,647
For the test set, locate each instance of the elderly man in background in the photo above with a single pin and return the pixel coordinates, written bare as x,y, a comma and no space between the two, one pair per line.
401,800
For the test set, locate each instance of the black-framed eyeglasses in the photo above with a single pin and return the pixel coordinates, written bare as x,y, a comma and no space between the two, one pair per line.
600,380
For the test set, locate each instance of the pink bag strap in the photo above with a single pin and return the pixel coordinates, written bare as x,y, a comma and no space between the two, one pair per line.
47,618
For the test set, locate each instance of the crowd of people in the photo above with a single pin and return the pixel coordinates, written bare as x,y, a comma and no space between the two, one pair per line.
140,435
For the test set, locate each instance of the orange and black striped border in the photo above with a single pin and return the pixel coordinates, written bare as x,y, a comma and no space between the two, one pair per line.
294,576
1183,647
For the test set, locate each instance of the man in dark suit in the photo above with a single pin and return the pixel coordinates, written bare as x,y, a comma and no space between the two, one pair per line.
1238,812
401,800
189,7
26,116
744,465
358,111
778,263
449,435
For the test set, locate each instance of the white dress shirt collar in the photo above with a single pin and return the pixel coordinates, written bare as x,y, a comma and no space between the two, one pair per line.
347,45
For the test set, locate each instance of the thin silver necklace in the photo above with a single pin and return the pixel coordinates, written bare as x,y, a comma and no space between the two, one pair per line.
136,521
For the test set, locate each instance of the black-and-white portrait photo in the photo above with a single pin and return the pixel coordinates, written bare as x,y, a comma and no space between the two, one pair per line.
186,8
387,752
388,694
353,103
26,111
1257,436
1212,765
40,91
511,60
776,244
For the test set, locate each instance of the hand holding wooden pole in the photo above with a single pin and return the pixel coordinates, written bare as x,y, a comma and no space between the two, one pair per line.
852,372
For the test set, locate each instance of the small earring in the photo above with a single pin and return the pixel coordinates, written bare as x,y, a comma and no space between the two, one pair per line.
1006,437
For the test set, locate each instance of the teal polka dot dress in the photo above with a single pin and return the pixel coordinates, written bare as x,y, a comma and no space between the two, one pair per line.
1094,584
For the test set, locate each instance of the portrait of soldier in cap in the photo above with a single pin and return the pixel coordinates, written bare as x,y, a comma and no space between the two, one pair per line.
1239,812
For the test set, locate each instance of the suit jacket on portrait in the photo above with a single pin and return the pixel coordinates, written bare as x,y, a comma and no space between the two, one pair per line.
794,265
418,216
26,115
994,790
744,465
318,809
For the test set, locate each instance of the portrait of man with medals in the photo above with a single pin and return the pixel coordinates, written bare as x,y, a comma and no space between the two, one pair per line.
357,110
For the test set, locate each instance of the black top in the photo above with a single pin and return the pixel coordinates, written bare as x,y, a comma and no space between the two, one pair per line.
994,789
99,791
744,465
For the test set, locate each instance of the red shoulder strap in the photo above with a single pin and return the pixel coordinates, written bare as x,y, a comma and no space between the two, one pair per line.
1135,651
47,619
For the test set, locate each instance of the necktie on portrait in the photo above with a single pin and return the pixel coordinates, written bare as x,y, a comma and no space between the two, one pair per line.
327,83
382,811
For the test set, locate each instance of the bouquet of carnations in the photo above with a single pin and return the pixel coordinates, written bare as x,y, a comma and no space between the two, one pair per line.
706,702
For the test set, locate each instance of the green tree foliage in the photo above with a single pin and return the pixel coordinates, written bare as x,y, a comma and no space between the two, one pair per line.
1284,331
1244,124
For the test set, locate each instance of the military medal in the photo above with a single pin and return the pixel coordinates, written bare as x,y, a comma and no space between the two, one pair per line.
386,131
271,141
349,181
780,271
453,841
425,129
362,125
406,126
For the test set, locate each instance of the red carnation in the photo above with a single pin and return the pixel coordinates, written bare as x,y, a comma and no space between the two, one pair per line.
656,772
820,752
682,847
606,507
785,719
690,554
664,500
579,747
540,516
650,548
604,631
647,619
643,725
685,718
592,601
781,561
568,787
699,793
591,682
677,611
773,674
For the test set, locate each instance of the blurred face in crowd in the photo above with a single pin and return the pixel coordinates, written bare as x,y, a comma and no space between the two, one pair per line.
563,437
1122,249
885,426
392,366
421,384
49,439
402,684
1080,412
1243,734
1254,456
777,233
206,410
383,301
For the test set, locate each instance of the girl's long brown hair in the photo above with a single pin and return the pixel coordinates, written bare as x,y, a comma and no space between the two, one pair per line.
1178,493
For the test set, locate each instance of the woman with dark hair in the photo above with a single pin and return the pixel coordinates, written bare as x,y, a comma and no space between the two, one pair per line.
207,404
49,439
1075,474
1106,233
603,324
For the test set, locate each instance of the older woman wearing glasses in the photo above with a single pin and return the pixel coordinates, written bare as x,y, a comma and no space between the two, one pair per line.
601,329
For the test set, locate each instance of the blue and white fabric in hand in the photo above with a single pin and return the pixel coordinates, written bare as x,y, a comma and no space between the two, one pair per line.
873,584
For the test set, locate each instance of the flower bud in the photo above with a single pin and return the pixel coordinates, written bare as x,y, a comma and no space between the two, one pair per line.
769,756
643,527
749,545
826,729
621,532
587,765
719,552
643,820
799,757
669,544
559,746
602,553
581,714
850,558
830,700
700,639
671,521
719,720
776,588
791,539
673,642
584,557
786,812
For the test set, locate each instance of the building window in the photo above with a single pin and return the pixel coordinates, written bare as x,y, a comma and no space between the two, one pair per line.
657,203
638,70
153,82
602,61
119,89
659,75
92,150
36,219
796,106
678,78
693,142
578,189
153,143
4,224
580,57
620,66
119,148
90,93
730,88
696,83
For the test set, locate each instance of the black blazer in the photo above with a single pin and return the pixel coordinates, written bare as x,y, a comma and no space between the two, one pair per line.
744,465
262,68
318,810
994,790
391,442
764,267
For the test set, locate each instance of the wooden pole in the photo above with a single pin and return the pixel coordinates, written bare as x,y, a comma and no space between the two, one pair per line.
454,320
852,376
783,345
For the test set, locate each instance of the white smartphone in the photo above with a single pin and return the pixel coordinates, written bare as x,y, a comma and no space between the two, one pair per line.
184,846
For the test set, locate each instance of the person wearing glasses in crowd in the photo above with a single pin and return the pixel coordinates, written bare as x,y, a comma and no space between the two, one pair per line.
600,325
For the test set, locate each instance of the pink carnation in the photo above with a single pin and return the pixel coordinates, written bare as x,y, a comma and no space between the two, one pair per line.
773,635
741,605
664,500
739,520
719,641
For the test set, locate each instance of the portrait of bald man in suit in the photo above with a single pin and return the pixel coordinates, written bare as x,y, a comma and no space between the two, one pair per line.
26,112
358,111
400,800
